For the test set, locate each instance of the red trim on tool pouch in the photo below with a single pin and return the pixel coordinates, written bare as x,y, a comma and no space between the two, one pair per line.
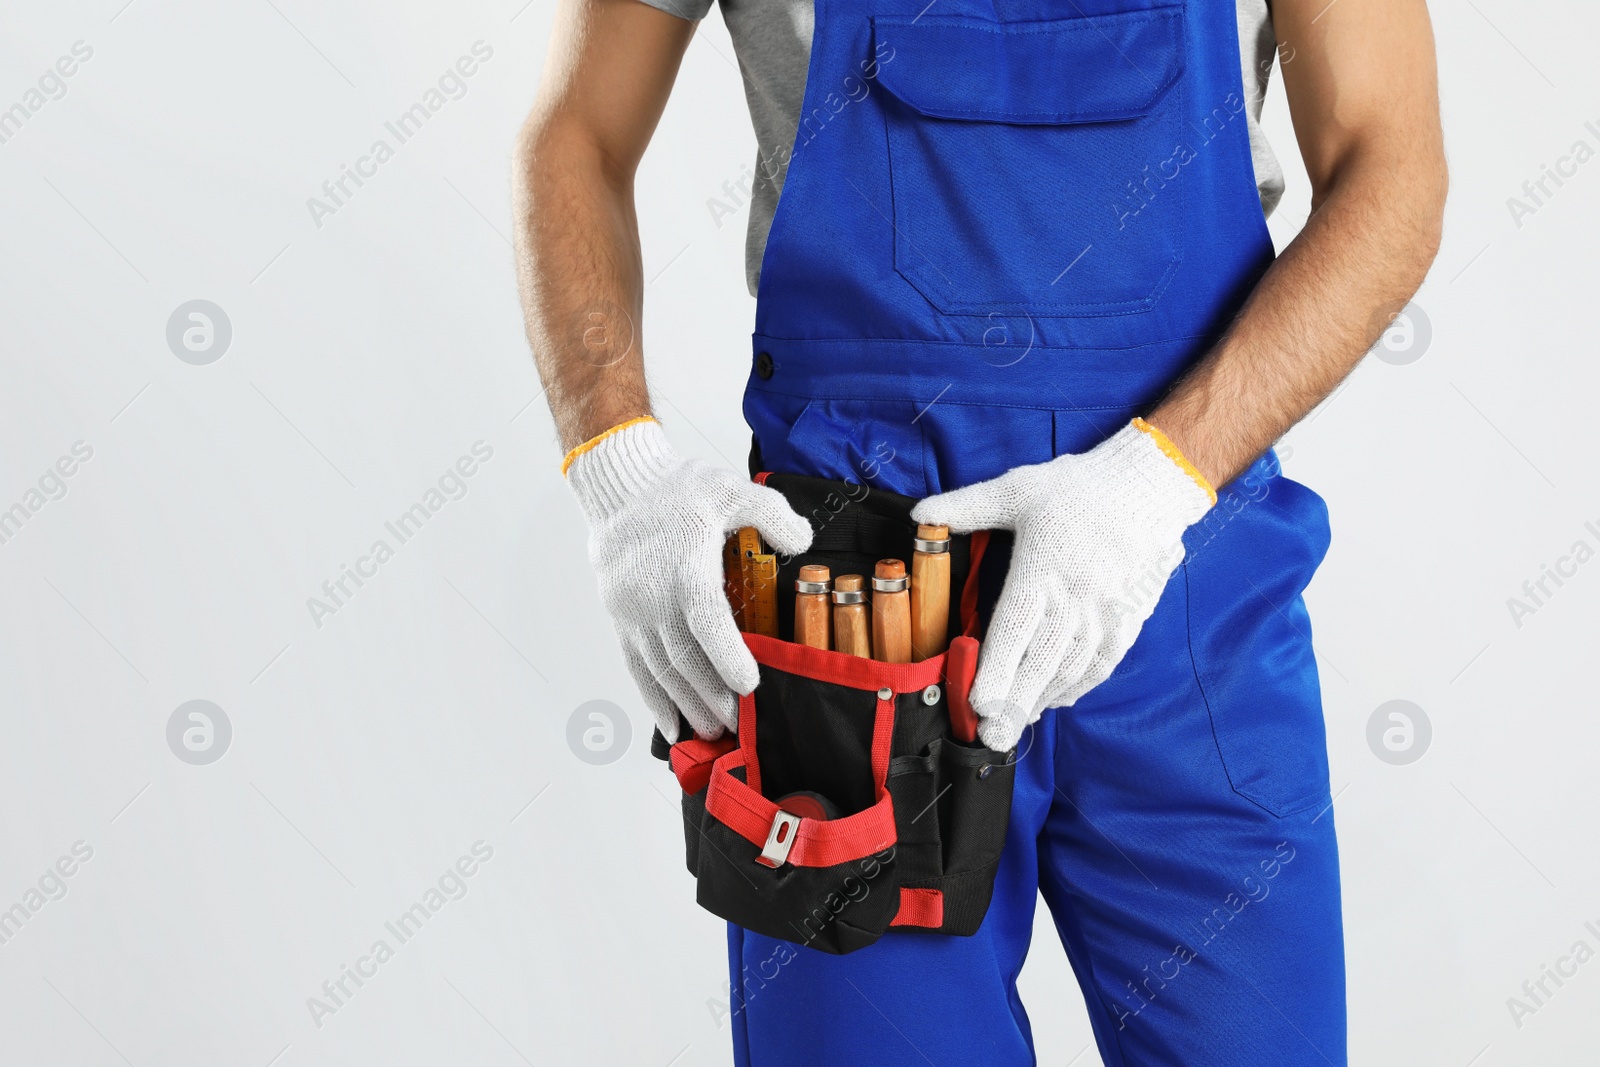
882,735
761,478
823,665
920,907
963,668
747,742
692,759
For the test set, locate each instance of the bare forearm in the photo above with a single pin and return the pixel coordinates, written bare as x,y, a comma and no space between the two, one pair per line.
610,70
579,271
1315,313
1363,93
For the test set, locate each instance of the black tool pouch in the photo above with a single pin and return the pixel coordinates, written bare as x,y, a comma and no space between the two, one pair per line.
916,807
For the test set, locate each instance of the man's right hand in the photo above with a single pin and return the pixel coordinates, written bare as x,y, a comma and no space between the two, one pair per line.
657,524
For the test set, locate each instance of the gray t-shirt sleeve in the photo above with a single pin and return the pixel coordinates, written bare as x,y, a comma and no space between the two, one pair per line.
693,10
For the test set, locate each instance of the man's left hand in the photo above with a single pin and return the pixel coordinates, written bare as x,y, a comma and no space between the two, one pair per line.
1097,535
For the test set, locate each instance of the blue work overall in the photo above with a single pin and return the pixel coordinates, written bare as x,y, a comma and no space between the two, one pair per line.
1007,227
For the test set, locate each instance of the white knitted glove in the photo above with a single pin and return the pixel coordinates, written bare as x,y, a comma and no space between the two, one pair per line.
1097,535
657,524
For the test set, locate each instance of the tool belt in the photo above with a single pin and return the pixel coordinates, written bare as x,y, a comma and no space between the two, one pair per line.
892,814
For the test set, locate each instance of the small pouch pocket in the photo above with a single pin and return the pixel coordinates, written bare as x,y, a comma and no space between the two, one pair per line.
849,803
953,799
828,882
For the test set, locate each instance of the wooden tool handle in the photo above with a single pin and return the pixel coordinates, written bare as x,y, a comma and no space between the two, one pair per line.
852,630
891,613
930,594
811,607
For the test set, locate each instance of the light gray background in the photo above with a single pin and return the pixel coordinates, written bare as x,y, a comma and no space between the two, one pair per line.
431,711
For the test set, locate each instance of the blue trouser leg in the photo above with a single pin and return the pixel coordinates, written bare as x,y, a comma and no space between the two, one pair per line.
1199,935
1203,928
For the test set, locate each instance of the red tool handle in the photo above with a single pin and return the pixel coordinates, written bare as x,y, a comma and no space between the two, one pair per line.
961,667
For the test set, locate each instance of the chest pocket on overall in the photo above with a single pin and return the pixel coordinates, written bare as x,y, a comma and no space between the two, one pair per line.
1036,165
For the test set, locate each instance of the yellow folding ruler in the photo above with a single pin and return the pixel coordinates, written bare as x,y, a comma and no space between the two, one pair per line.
750,575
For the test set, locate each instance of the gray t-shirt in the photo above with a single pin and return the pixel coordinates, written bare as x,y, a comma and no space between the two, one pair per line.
772,39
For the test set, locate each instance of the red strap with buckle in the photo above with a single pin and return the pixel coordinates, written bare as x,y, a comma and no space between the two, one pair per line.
781,835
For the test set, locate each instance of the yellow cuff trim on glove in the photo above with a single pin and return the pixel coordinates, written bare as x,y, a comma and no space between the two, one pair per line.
572,456
1170,450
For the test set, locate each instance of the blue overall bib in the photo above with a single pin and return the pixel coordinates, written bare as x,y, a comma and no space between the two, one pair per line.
1007,227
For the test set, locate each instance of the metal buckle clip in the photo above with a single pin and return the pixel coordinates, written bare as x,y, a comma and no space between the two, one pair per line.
780,839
